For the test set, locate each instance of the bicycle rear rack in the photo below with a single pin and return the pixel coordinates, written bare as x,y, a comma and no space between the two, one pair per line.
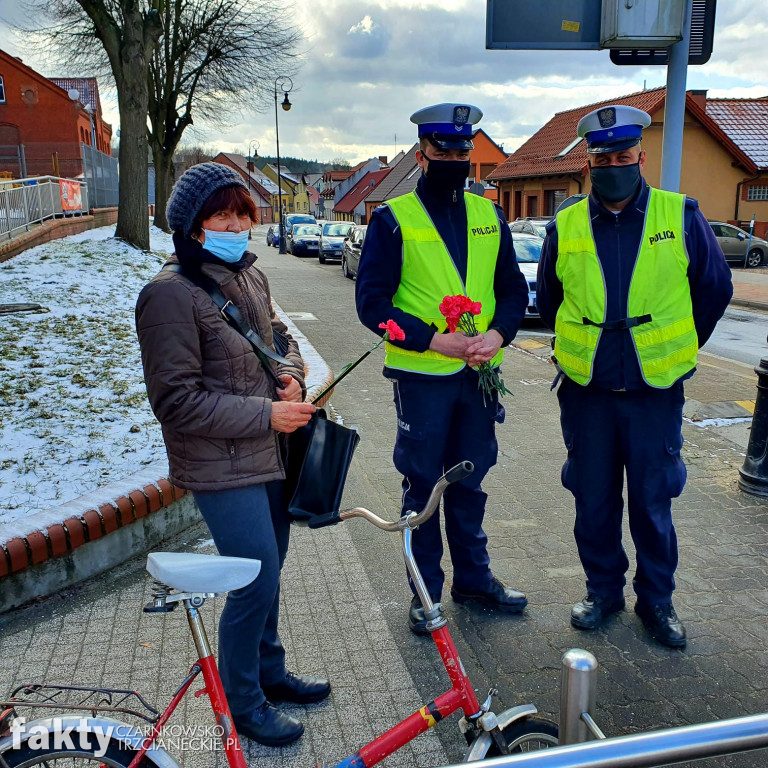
73,697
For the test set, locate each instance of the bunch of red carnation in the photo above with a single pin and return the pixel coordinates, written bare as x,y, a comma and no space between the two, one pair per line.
459,312
453,308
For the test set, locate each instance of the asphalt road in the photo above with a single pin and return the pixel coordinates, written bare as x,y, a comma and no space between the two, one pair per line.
740,335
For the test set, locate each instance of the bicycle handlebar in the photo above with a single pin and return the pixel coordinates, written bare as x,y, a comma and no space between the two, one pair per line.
413,520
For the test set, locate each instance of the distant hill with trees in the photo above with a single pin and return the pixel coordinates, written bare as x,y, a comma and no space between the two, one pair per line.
300,165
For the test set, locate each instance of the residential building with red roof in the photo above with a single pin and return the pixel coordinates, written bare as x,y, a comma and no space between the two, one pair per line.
263,190
724,163
351,207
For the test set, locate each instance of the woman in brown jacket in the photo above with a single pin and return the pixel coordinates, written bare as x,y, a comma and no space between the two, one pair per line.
222,415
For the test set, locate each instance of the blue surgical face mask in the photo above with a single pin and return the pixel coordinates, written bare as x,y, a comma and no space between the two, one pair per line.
227,246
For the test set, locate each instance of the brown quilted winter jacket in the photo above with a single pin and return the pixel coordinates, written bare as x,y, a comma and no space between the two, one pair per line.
206,385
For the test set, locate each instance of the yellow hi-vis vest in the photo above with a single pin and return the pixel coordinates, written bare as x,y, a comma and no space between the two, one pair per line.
660,314
428,275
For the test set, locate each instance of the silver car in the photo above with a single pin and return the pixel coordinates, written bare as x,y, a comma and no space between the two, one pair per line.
734,242
350,254
528,252
332,240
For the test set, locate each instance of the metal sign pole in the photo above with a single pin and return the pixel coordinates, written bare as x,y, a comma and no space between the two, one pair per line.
674,107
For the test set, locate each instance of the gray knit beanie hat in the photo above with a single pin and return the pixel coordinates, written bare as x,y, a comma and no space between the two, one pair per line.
193,188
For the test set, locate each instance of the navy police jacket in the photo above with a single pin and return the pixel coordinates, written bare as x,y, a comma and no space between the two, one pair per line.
378,275
617,238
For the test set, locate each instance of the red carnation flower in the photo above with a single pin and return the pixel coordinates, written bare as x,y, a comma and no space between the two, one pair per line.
392,331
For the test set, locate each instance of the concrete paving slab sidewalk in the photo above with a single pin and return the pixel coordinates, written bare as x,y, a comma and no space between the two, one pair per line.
750,288
345,598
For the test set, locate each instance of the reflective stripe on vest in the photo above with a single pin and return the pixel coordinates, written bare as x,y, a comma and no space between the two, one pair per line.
667,346
428,275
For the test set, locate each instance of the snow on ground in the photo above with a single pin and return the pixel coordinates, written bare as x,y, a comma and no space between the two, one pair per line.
73,408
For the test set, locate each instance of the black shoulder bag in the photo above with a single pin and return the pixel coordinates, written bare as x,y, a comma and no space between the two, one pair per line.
318,454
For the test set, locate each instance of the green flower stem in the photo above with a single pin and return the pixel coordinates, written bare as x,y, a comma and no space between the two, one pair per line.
349,368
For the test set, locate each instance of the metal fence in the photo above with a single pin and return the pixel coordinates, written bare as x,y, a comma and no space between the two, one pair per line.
100,172
30,201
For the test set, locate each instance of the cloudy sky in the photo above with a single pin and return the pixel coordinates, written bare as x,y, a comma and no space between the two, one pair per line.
368,64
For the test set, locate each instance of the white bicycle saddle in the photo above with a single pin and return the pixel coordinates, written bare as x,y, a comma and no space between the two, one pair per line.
202,573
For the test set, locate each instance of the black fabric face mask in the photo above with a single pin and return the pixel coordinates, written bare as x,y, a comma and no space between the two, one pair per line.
614,183
448,174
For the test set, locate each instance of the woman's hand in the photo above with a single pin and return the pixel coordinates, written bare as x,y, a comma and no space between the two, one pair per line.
288,416
291,391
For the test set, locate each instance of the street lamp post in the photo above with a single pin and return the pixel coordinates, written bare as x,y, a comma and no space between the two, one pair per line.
286,84
251,161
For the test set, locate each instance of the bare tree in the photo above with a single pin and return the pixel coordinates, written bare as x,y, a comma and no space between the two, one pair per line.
216,59
114,37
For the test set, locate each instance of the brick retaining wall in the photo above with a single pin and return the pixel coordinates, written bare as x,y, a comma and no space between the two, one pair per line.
53,229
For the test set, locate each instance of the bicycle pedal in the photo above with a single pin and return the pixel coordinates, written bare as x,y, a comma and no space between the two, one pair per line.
165,608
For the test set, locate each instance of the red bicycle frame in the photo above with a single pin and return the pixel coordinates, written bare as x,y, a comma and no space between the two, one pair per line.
460,696
213,689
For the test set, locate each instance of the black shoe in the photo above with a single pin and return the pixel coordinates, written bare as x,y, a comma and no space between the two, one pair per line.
495,596
662,622
299,689
416,619
267,725
590,612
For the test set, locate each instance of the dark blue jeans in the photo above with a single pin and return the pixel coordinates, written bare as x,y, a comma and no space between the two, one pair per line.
250,522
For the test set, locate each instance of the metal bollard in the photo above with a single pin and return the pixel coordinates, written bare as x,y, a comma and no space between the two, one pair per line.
753,475
578,683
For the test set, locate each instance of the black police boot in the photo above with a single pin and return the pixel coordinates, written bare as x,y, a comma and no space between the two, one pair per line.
590,612
662,622
267,725
299,689
417,621
495,596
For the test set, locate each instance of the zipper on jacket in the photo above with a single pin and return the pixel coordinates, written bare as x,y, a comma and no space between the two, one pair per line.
232,453
454,196
617,228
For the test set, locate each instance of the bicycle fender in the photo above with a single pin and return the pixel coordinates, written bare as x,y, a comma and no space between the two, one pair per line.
478,749
82,724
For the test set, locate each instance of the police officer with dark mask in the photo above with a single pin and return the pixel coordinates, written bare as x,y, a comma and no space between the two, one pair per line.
434,242
633,281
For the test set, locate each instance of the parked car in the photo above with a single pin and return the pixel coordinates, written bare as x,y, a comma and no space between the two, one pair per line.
734,243
273,236
332,239
350,253
303,239
289,219
528,252
531,225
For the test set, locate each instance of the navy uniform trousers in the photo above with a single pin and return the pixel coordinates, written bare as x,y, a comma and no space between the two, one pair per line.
441,422
608,433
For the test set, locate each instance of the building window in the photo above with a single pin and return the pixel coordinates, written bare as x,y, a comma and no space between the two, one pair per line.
553,198
2,90
757,193
532,203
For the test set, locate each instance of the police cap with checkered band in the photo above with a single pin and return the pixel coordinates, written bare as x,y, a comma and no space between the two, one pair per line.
612,128
448,126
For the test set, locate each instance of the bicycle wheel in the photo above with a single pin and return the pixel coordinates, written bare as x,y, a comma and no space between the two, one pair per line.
117,756
528,734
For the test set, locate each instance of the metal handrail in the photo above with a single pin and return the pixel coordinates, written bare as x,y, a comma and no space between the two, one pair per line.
28,201
643,750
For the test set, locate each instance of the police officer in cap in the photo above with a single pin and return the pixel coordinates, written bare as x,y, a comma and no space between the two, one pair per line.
434,242
633,281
